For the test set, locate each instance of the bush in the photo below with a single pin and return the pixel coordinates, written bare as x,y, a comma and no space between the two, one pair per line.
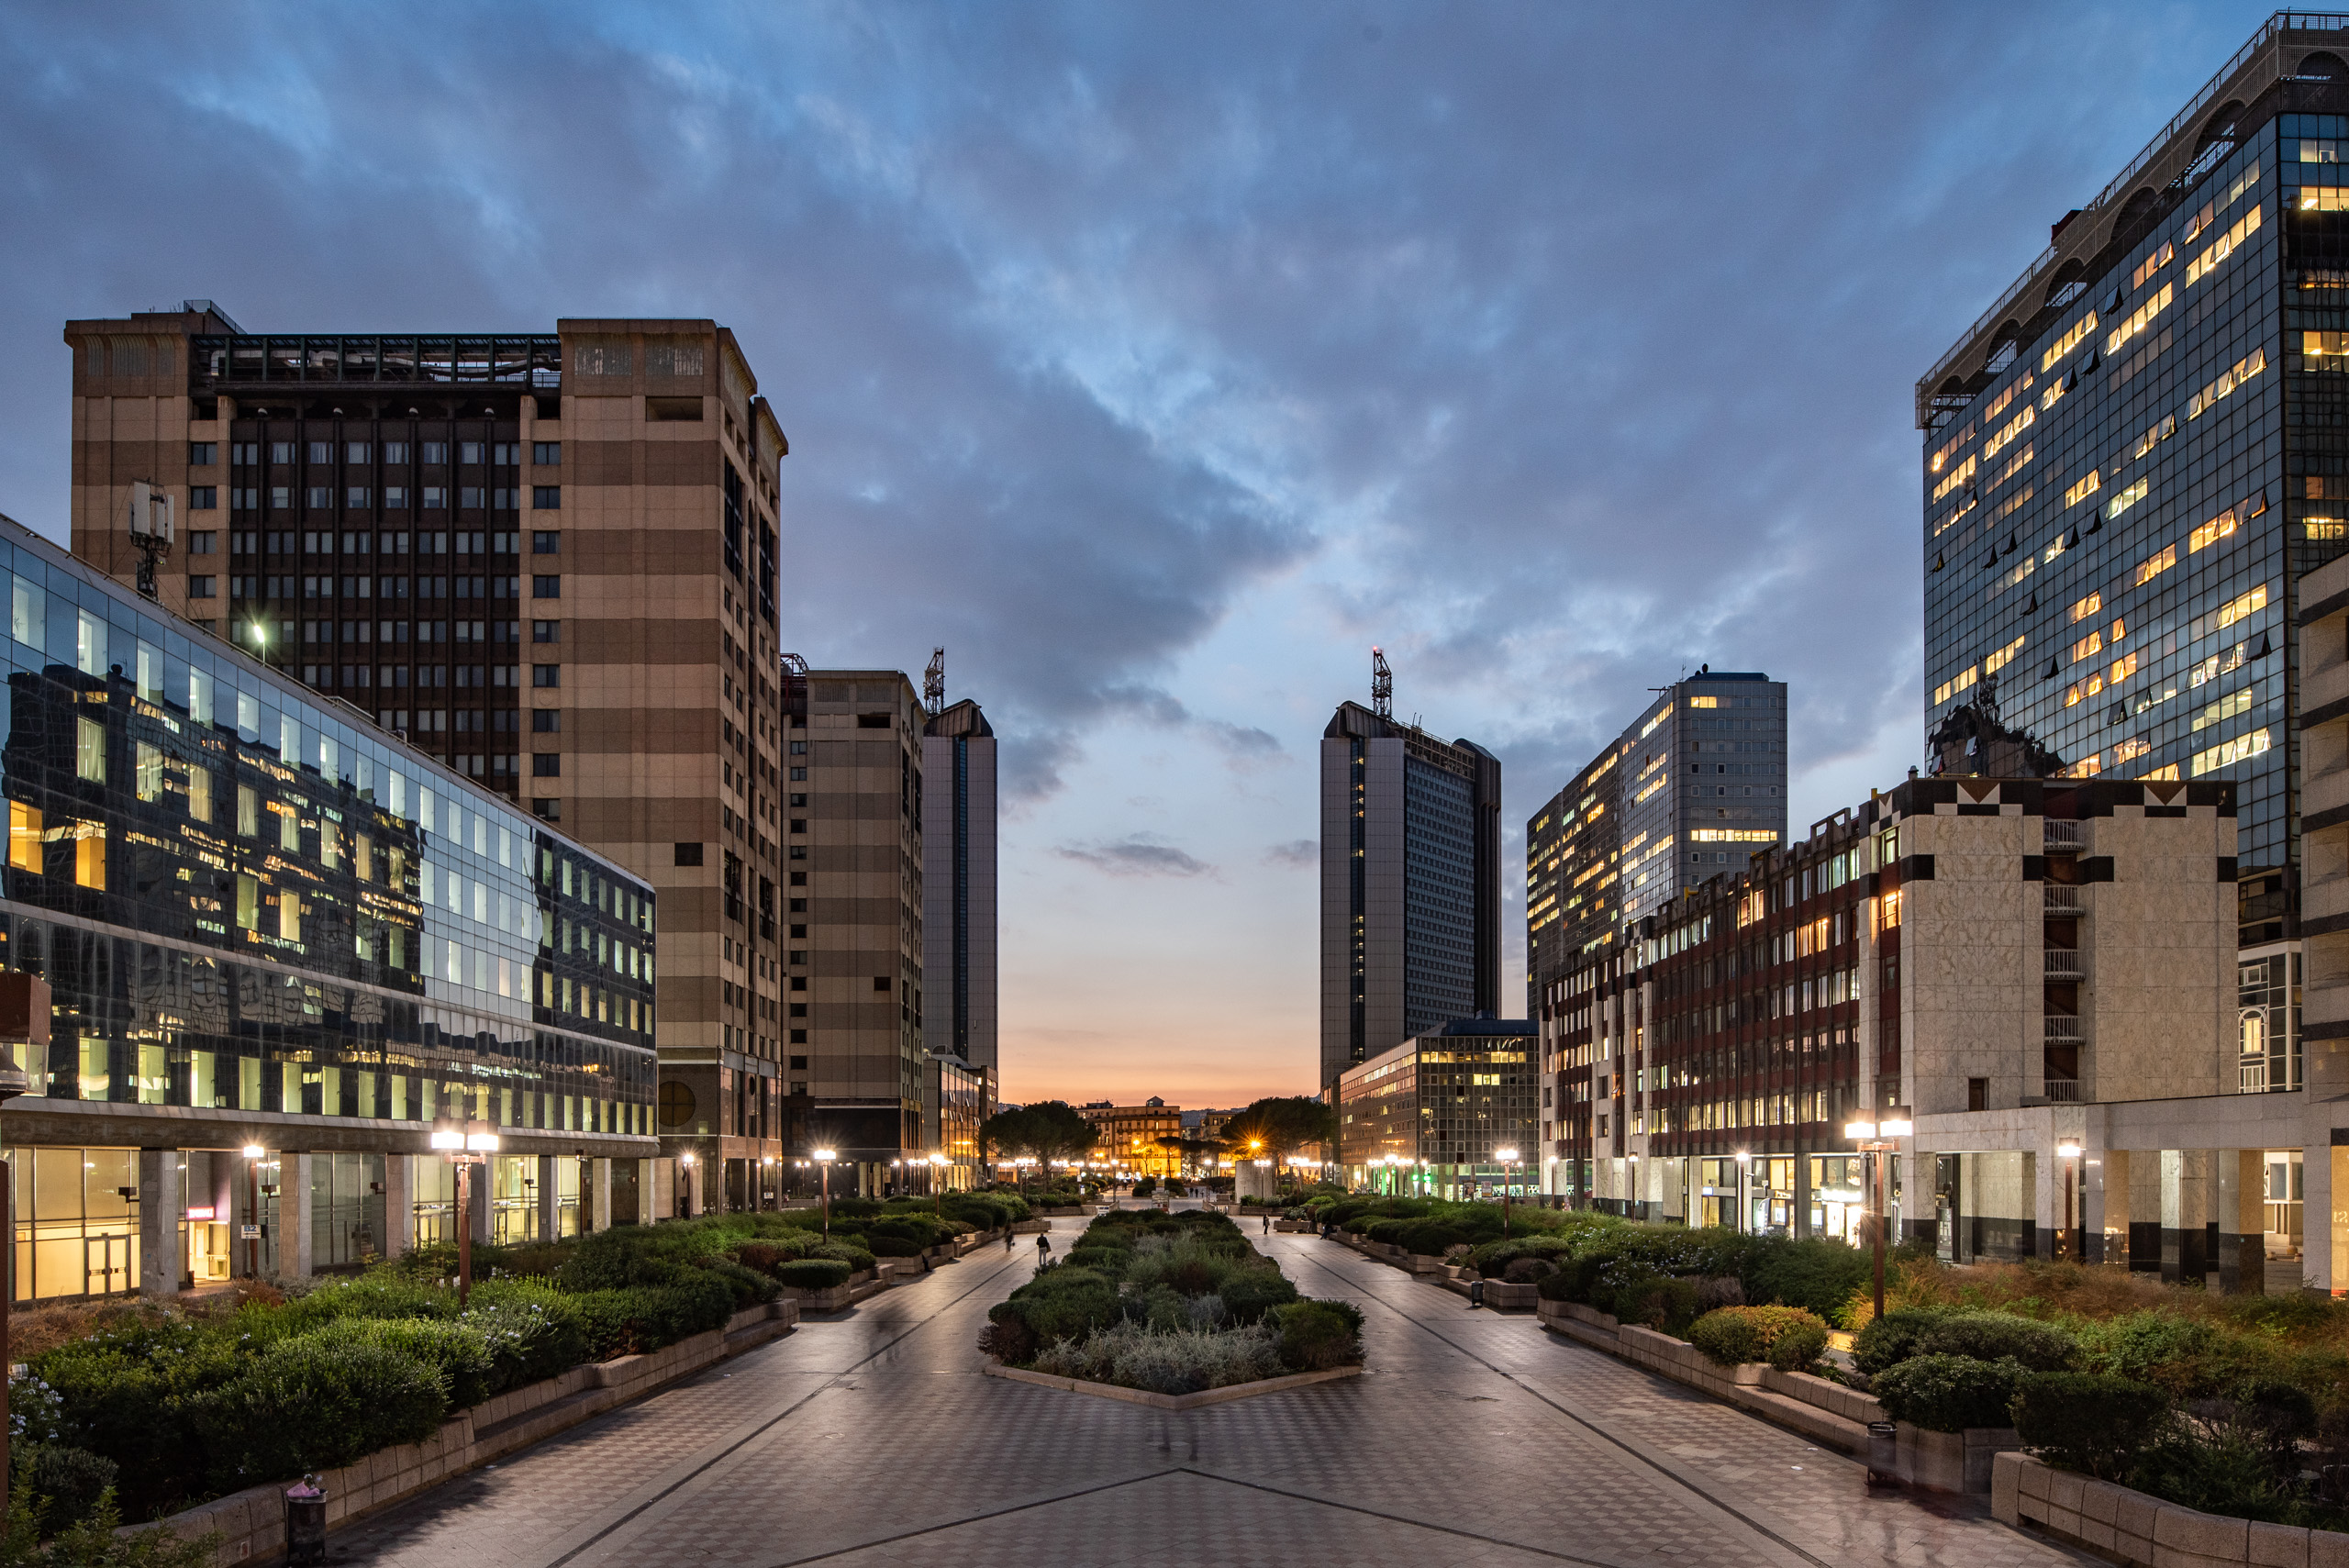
892,1246
858,1259
456,1353
1318,1335
311,1404
1527,1271
812,1274
1815,1273
1787,1337
2001,1336
2089,1421
1895,1337
1249,1294
1177,1363
532,1330
1949,1394
71,1481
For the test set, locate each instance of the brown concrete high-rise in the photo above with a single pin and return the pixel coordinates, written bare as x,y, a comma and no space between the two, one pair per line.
550,560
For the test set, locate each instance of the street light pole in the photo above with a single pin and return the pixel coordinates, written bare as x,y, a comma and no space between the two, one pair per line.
2069,1153
1745,1204
685,1167
466,1150
824,1158
1876,1140
254,1152
1508,1157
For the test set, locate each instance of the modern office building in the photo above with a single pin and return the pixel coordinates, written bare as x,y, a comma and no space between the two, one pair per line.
1696,784
1434,1116
2015,967
549,561
2136,452
265,923
1127,1136
854,955
957,1100
958,837
1410,883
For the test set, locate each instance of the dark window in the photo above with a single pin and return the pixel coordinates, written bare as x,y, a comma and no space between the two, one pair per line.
546,587
546,454
203,454
545,541
880,982
321,451
546,631
1978,1093
546,497
546,766
799,1064
546,675
868,721
546,810
203,543
798,1036
689,854
200,587
435,451
800,983
732,492
546,721
202,497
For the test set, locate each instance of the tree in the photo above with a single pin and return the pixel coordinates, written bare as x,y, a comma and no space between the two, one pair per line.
1058,1132
1281,1125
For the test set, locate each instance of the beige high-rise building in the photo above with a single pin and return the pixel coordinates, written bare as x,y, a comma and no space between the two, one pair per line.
547,560
855,886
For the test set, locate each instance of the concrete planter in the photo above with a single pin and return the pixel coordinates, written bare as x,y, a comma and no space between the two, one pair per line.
1422,1263
830,1300
252,1522
2126,1526
995,1368
1953,1462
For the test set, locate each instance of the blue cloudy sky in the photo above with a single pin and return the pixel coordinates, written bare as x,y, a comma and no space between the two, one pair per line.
1158,358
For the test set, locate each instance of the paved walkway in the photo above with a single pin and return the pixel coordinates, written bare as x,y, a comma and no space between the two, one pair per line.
871,1439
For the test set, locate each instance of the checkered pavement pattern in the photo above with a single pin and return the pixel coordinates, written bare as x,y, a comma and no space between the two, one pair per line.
870,1438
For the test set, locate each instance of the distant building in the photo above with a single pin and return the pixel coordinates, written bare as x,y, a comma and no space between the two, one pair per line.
1411,884
958,765
854,952
1691,788
957,1100
1431,1118
1127,1136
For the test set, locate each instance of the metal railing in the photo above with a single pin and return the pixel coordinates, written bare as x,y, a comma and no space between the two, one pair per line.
2061,834
2062,1029
2065,1092
2063,898
2066,963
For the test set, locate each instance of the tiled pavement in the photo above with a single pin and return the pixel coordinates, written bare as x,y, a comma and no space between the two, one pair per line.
871,1439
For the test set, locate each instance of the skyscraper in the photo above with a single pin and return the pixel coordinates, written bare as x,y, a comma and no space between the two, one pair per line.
547,561
2131,457
1692,788
1410,883
959,882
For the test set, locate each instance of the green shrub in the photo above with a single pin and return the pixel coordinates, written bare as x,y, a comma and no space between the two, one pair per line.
1727,1337
1059,1303
812,1274
2001,1336
638,1319
1318,1335
2089,1421
1949,1394
892,1246
748,1286
1180,1362
71,1481
1815,1273
1787,1337
308,1404
533,1331
1895,1337
2150,1347
456,1352
856,1257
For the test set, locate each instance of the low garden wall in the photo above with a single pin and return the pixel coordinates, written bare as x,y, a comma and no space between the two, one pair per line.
2126,1525
252,1523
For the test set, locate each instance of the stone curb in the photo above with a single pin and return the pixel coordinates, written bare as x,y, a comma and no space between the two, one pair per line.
2122,1525
993,1368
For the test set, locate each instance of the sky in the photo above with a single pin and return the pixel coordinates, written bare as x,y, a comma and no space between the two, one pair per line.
1158,360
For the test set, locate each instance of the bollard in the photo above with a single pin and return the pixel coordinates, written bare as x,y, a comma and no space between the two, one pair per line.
1884,1455
306,1521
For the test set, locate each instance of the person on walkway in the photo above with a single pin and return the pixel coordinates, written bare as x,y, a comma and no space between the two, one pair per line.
1043,1250
1268,1223
1006,1238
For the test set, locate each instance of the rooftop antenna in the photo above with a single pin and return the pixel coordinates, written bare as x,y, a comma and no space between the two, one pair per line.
1382,686
933,684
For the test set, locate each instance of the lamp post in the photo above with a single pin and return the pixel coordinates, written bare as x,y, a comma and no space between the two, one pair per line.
2069,1153
1875,1140
766,1168
465,1149
824,1158
938,1184
686,1169
1745,1204
253,1153
1508,1157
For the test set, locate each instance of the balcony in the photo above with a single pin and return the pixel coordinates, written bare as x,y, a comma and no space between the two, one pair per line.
2062,834
2063,899
2065,1092
2066,963
2063,1030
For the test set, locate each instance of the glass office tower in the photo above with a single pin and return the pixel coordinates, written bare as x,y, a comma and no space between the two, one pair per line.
2131,458
266,923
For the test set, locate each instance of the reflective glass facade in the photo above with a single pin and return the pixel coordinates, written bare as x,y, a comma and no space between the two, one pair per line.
253,904
2115,522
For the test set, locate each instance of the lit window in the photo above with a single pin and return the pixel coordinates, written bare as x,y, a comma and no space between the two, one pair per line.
2210,533
2009,431
2323,198
2150,569
2223,247
2228,752
90,750
2089,605
2072,339
2139,319
2122,669
2151,264
2083,487
2242,371
2127,498
1994,662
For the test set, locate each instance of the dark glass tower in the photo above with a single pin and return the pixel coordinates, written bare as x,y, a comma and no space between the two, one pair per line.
1411,884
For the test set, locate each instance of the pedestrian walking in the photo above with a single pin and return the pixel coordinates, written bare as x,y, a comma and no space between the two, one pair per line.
1268,1225
1006,1238
1043,1250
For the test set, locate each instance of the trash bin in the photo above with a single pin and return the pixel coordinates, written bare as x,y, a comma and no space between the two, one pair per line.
1476,1293
306,1521
1884,1455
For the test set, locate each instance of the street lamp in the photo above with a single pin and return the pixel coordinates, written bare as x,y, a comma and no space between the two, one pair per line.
1745,1204
465,1149
938,1184
1875,1139
2069,1153
254,1155
1508,1157
686,1169
824,1157
766,1180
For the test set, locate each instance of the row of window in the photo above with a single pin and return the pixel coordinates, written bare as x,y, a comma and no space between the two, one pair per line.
359,497
475,676
497,454
323,542
203,586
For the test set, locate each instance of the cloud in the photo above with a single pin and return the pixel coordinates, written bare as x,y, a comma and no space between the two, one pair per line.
1297,854
1137,854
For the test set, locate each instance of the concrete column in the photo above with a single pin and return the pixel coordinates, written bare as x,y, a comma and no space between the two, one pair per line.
399,1204
2145,1210
296,1240
2186,1215
550,1199
485,1199
2105,1208
161,1257
2242,1214
2324,1249
599,1195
